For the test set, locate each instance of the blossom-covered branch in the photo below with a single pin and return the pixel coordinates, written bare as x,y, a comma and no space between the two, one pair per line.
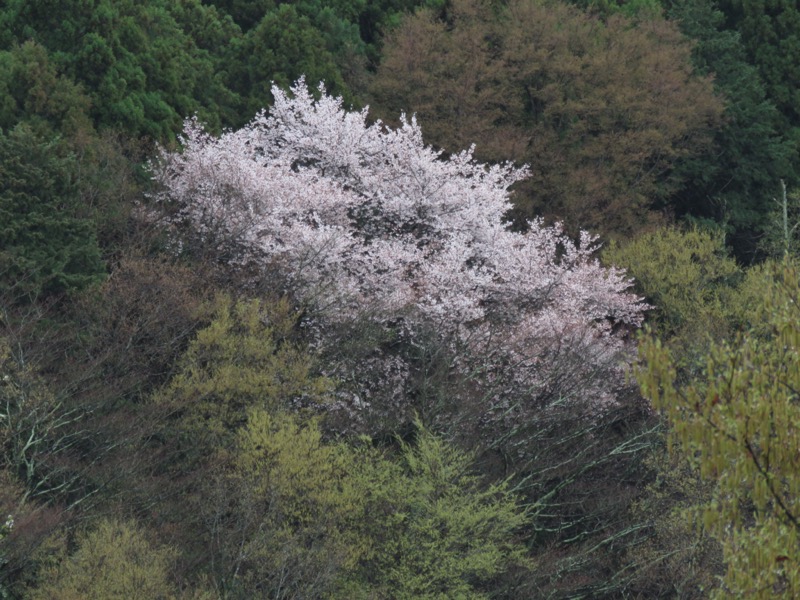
360,216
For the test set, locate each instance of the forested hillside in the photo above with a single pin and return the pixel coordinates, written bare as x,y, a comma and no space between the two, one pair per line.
399,300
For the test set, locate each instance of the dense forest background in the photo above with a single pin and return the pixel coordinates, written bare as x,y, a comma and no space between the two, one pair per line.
181,418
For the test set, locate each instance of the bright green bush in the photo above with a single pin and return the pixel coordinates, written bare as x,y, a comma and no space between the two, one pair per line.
245,358
113,561
321,519
737,423
686,275
438,532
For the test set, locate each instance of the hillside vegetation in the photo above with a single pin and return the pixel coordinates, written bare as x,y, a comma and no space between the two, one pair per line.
399,300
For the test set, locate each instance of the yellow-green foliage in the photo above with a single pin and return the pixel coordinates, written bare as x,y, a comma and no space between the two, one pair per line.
113,561
748,309
438,532
686,275
329,520
289,463
301,507
292,515
244,358
739,424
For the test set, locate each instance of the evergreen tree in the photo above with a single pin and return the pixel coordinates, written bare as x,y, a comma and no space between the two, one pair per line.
47,247
32,90
735,183
285,45
770,31
137,61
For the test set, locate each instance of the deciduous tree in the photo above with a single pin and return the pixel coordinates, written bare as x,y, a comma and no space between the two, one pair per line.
601,110
738,424
112,561
367,221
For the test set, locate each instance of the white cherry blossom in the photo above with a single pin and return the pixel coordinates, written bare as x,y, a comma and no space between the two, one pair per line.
367,219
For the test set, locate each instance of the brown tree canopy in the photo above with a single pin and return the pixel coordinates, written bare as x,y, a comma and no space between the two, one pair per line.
602,111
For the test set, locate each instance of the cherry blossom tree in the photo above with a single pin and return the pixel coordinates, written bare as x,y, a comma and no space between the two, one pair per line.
366,222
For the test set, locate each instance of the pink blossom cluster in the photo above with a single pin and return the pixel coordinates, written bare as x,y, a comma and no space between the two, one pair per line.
368,220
